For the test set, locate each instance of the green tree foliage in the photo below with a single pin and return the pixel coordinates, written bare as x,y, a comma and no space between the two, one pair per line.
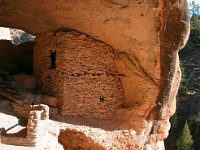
195,20
195,128
185,141
174,122
195,32
170,142
197,117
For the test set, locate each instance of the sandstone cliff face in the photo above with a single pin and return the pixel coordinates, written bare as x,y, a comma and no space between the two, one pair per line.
147,35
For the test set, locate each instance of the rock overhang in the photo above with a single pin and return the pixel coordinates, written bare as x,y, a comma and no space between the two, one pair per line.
147,34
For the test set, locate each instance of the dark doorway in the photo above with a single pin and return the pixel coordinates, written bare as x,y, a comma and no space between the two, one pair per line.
53,59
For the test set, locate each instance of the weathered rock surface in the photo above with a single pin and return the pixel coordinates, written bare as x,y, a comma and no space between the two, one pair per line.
147,34
19,37
71,139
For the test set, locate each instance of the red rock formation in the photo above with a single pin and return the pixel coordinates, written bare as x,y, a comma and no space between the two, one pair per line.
73,140
147,36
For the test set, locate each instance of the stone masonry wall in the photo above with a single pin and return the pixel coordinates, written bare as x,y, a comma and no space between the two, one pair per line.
36,133
37,127
80,72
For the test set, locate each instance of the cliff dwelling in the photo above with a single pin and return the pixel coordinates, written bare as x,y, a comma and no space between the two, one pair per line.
80,72
108,70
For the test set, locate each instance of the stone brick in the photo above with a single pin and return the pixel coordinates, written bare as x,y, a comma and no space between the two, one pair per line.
83,75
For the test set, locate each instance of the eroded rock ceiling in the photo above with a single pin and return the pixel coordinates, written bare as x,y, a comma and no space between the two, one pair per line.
147,35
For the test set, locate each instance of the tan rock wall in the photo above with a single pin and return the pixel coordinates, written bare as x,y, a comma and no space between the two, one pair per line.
148,35
85,78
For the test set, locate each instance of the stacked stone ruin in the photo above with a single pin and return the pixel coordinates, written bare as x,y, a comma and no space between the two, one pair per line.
147,36
37,127
37,130
83,75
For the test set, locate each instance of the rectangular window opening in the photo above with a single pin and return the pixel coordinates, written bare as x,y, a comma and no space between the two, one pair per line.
53,59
